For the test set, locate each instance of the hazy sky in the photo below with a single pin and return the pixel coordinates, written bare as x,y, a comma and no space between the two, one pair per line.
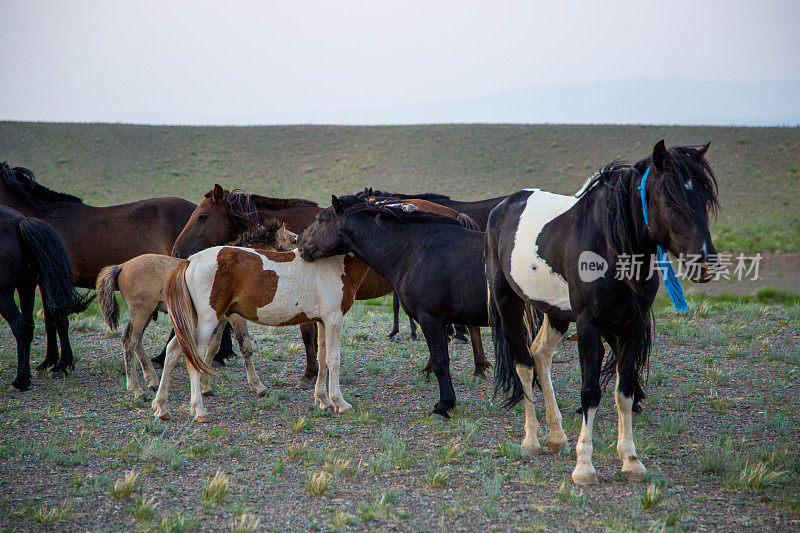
239,62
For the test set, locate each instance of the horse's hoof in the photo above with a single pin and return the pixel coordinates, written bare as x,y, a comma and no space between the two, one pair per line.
157,363
392,335
20,386
261,392
202,418
442,410
531,451
481,372
305,383
634,471
164,415
556,445
459,340
346,408
217,364
586,476
209,393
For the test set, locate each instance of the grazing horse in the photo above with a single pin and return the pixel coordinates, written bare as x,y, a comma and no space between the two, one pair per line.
141,281
539,246
266,287
93,236
438,276
31,254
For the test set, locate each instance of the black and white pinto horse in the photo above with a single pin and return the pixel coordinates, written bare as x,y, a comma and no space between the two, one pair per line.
535,241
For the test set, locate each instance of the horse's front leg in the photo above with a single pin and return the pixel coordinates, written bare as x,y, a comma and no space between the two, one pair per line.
436,339
590,350
333,331
321,387
51,354
478,355
308,332
630,348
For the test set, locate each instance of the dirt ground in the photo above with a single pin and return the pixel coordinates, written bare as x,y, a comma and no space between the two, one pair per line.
718,435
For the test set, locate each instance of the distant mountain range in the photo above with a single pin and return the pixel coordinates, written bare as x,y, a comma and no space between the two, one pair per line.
633,101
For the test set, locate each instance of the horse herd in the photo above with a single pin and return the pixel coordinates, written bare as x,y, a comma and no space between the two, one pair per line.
511,263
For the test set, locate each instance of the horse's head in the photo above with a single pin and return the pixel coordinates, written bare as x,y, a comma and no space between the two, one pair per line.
211,224
325,238
285,239
681,191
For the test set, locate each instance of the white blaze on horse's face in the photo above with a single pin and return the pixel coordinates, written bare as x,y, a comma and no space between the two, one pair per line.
535,277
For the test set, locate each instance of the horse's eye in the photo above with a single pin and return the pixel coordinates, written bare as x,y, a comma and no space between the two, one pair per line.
202,217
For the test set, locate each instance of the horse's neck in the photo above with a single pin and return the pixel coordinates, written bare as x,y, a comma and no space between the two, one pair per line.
387,257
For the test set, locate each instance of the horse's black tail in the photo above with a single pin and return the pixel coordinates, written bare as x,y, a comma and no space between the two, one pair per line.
55,271
533,321
467,222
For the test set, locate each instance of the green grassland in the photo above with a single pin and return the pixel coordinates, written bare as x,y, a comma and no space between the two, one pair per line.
758,168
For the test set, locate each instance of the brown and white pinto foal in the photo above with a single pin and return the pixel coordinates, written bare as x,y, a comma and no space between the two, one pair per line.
270,288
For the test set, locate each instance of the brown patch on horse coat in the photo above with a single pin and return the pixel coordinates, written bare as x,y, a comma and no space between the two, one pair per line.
354,271
278,257
299,318
241,284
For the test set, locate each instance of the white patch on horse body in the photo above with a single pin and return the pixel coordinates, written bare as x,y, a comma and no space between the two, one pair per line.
534,276
689,185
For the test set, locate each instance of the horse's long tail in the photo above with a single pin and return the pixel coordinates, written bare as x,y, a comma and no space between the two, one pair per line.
183,315
105,287
467,222
55,271
506,380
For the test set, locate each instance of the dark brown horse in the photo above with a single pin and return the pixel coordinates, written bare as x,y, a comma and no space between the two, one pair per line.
93,236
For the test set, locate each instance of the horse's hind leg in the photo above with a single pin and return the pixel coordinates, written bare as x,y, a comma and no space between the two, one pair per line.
549,335
132,343
213,348
51,355
21,324
171,359
66,361
239,326
478,355
413,327
460,336
309,334
205,330
395,316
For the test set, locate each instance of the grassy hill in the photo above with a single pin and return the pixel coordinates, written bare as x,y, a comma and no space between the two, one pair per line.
758,168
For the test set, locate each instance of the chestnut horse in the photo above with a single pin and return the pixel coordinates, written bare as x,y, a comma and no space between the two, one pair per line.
270,288
93,236
141,281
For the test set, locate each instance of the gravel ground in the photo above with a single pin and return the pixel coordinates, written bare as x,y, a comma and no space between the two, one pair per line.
718,435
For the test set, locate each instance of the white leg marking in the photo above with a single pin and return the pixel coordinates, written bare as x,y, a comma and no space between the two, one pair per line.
321,388
542,349
333,332
631,465
530,445
160,401
584,473
205,331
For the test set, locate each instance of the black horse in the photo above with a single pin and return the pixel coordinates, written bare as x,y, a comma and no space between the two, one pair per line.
477,211
31,254
563,255
438,276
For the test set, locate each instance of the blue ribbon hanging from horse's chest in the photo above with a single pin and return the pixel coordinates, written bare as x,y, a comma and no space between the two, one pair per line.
671,282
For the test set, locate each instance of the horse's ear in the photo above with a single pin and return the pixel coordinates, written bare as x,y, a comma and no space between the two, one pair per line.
218,194
371,192
337,205
701,153
659,155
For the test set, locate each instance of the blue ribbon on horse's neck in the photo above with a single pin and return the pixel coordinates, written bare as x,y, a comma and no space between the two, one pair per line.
671,282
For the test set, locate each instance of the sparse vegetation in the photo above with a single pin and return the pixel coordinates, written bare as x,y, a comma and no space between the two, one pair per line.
216,488
124,486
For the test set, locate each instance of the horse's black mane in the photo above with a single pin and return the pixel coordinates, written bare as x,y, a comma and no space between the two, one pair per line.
355,204
431,197
22,183
617,181
261,235
243,208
